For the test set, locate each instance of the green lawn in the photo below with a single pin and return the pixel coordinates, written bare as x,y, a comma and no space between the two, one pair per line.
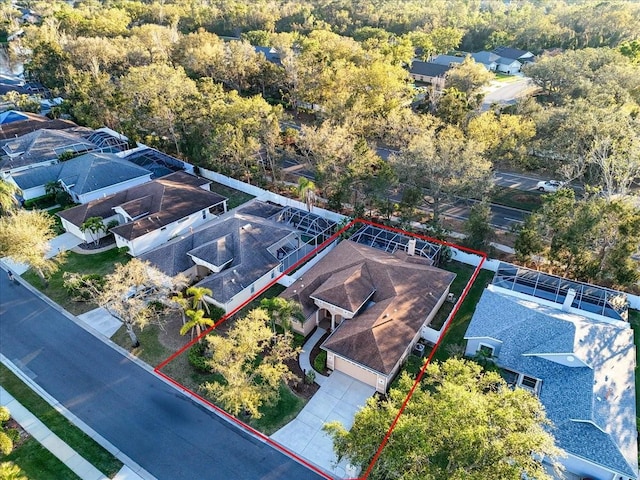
276,416
99,263
512,197
459,323
38,463
74,437
463,274
503,77
150,351
235,197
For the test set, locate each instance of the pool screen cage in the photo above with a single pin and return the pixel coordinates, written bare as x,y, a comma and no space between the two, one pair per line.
390,241
108,143
590,298
158,163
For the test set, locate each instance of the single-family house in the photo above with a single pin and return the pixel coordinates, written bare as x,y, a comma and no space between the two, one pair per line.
508,66
431,73
488,59
235,257
448,60
580,366
152,213
42,147
271,54
86,178
523,56
374,302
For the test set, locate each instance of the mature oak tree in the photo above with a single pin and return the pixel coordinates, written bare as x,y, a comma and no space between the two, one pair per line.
460,424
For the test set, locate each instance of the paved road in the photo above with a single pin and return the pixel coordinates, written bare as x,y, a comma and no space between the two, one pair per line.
516,180
502,217
508,93
165,432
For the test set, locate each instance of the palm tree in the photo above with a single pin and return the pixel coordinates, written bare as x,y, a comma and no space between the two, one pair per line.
281,311
8,200
197,295
307,192
197,320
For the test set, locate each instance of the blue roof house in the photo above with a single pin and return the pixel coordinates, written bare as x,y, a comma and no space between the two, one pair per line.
582,369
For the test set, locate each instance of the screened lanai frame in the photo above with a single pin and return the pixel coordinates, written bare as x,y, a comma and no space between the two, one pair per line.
159,163
314,230
107,142
390,241
590,298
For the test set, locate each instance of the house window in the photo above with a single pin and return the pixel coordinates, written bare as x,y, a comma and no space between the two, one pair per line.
204,214
486,350
253,288
273,274
163,229
529,382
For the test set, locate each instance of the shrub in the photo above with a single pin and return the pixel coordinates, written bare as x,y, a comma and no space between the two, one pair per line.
320,362
310,377
77,286
216,313
198,359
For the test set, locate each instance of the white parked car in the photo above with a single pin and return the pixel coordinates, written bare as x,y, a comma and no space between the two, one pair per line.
549,185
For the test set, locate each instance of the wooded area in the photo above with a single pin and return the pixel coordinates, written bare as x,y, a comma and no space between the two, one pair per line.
338,89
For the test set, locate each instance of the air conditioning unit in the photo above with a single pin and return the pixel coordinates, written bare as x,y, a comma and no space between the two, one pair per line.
418,350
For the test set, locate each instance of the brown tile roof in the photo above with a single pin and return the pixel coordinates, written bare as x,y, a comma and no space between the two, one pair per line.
349,288
34,122
406,292
163,201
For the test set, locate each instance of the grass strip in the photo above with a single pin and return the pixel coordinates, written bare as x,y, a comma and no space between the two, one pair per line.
99,263
514,198
37,462
58,424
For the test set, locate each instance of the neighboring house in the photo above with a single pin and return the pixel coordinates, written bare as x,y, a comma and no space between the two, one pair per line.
581,368
508,66
270,53
523,56
85,178
43,147
431,73
447,60
159,163
488,59
375,303
234,257
15,124
152,213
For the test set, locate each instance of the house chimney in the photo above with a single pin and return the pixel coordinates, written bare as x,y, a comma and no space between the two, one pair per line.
411,247
568,300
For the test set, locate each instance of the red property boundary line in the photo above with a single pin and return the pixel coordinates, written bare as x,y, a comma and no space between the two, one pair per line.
319,248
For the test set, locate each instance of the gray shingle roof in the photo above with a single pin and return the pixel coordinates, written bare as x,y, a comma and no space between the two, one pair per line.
83,174
247,238
45,144
601,393
429,69
446,59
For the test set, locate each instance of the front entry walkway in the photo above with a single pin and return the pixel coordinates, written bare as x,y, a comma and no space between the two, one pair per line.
339,398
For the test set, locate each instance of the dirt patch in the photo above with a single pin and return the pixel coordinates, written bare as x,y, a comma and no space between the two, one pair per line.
169,336
301,388
23,436
102,243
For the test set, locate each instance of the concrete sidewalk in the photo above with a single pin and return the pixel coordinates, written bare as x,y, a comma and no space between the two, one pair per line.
49,440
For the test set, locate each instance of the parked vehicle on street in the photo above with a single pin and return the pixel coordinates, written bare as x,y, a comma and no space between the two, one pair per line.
549,185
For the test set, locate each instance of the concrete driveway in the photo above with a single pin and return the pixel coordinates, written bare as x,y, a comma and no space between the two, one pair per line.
339,398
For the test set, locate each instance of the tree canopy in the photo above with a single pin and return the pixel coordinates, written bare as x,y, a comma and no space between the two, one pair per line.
461,423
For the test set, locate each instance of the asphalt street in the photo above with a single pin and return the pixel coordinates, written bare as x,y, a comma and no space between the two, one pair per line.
165,432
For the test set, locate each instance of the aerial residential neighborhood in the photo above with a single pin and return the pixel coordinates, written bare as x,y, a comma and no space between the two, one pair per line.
292,239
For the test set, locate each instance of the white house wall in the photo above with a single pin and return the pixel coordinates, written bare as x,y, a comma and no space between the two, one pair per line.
251,290
110,190
74,230
162,235
35,192
586,469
